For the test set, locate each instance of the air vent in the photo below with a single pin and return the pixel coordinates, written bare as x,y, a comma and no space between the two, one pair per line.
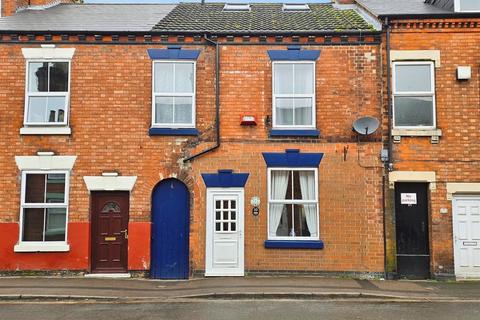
231,7
295,7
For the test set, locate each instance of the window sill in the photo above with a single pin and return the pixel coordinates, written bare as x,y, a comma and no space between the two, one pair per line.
173,132
294,133
45,131
435,134
294,244
41,247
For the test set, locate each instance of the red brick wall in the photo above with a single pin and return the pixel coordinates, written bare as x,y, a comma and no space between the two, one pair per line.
111,113
456,157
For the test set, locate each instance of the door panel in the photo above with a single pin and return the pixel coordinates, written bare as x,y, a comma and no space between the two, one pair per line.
224,247
411,216
170,230
466,234
109,214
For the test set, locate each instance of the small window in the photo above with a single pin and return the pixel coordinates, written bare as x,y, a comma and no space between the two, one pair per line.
47,95
293,204
295,7
467,6
414,95
236,7
44,206
293,95
174,94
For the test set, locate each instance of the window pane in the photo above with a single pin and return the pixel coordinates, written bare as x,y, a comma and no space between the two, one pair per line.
38,77
281,185
55,224
163,77
55,188
285,224
304,185
37,107
184,78
284,111
303,82
163,110
469,5
415,78
33,224
283,81
300,222
413,111
303,111
183,110
56,109
35,188
59,76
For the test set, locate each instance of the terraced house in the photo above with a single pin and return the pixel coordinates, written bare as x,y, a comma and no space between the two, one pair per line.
190,139
431,66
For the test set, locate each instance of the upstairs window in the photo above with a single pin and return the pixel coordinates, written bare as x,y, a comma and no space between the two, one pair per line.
174,94
467,5
293,204
47,96
295,7
232,7
414,95
293,95
44,206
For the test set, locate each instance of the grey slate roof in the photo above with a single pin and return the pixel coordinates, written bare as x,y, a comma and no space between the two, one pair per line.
402,7
88,17
266,17
444,4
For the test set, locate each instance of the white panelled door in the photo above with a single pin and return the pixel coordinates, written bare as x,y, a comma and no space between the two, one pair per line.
466,236
224,246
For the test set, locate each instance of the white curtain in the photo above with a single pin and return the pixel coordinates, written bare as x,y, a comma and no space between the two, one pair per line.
279,190
307,185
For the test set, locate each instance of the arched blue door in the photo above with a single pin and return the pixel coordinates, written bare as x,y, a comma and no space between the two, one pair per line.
170,230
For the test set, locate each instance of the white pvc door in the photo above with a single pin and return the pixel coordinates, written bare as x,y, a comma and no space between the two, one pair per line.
466,236
224,247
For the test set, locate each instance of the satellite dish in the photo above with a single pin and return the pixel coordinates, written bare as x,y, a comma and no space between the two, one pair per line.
366,125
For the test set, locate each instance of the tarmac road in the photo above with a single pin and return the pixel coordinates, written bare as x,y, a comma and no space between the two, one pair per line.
242,309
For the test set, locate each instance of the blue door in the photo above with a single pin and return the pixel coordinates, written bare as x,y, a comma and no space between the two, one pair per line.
170,230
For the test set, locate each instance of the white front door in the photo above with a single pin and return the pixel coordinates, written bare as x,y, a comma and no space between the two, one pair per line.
466,236
224,247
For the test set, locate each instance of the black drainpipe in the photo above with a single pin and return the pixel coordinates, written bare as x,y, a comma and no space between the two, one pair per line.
217,102
389,162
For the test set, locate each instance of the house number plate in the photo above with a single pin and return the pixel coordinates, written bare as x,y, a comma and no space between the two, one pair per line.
110,238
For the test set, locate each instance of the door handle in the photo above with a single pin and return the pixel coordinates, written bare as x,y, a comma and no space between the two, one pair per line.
125,233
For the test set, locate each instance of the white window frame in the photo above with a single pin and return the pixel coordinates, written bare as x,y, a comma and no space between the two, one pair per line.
458,7
193,95
65,122
275,96
414,93
29,246
292,201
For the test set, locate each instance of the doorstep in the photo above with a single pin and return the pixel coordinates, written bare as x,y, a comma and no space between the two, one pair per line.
108,275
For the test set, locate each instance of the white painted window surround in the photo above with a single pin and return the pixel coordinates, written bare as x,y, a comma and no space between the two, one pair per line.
467,6
110,183
44,164
47,54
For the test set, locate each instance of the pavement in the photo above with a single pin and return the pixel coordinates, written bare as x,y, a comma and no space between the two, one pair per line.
252,287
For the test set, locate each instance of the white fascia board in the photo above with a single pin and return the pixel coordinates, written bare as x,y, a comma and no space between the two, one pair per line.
45,162
110,183
48,53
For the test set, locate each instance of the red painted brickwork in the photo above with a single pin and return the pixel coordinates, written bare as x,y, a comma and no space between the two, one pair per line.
456,157
111,114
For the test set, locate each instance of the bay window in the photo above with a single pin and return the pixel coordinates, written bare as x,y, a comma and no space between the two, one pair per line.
293,203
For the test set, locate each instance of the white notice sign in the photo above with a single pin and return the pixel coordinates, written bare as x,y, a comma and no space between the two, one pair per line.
408,198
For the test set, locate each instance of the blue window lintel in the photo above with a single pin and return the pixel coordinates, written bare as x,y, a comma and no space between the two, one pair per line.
294,244
173,132
294,133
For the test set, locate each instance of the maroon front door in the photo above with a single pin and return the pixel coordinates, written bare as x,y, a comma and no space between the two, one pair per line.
109,231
